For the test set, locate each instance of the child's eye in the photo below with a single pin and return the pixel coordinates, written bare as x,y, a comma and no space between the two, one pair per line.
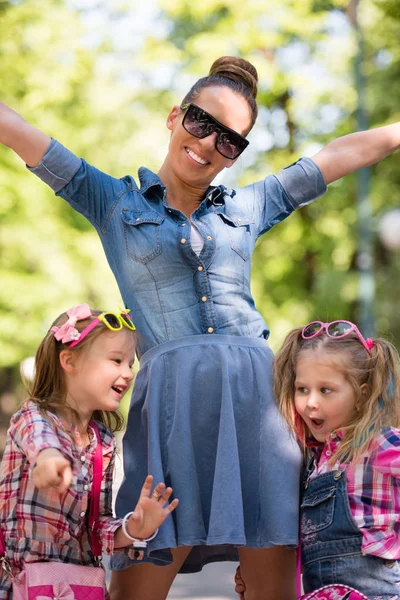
325,390
117,360
301,389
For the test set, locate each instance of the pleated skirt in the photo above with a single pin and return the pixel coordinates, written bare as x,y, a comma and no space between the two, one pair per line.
204,420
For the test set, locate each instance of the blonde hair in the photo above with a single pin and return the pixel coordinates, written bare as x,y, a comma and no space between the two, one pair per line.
380,371
48,390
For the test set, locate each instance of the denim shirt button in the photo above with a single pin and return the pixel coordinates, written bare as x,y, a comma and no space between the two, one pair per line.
209,237
138,219
199,268
210,330
183,241
337,475
204,298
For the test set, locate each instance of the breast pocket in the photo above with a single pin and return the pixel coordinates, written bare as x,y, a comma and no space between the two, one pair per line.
142,234
317,511
238,231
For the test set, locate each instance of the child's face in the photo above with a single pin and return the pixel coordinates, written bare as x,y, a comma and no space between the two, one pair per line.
324,398
102,373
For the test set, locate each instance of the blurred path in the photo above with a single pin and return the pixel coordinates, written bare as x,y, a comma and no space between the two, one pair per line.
215,582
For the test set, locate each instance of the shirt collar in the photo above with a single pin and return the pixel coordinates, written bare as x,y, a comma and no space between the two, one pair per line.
333,438
148,179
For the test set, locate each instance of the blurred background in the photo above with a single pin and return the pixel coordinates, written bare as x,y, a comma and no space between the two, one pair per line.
101,77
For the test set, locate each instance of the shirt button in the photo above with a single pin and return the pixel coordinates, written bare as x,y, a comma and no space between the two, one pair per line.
86,487
210,330
183,224
328,453
200,268
204,298
239,220
83,458
170,211
83,513
138,219
183,241
209,237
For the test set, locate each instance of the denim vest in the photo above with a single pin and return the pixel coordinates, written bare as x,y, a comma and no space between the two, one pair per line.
170,290
331,543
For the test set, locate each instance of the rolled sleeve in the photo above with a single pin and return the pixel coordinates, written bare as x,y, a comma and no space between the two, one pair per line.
105,529
57,167
303,182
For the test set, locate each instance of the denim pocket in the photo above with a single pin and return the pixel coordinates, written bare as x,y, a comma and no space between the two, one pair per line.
238,229
317,511
142,234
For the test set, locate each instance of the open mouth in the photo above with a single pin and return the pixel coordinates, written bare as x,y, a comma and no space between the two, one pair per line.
118,388
317,422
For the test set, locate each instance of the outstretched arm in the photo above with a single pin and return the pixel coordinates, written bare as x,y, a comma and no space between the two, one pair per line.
27,141
357,150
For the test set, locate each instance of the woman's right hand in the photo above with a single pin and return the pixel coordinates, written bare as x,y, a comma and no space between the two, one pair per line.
27,141
52,469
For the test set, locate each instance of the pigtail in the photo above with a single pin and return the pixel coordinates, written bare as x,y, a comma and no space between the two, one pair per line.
284,370
379,406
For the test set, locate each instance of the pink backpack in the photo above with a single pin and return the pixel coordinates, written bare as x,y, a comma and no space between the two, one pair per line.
334,592
328,592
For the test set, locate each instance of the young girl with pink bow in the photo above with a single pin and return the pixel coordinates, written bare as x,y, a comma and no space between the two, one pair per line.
82,370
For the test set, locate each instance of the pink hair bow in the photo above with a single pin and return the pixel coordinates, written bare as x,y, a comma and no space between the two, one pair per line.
68,332
61,591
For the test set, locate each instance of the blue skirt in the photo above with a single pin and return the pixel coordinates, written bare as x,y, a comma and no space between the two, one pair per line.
204,420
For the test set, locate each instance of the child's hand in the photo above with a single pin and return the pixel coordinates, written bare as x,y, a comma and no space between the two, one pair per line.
52,469
150,511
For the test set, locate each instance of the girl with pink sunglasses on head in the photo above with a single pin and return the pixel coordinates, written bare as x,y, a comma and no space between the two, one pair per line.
340,395
83,367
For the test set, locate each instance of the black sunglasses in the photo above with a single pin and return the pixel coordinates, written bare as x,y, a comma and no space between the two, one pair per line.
201,124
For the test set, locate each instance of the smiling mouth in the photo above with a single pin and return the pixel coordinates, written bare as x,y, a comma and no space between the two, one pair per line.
195,157
118,388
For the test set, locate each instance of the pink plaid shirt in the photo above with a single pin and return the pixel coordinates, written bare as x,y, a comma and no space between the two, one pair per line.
374,491
44,524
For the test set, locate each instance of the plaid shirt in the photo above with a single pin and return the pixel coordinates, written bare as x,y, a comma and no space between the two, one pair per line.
373,486
44,524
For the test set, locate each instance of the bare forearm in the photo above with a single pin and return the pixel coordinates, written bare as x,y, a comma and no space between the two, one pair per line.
357,150
27,141
120,539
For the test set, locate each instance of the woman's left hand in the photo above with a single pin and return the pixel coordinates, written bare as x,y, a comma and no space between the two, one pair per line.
151,510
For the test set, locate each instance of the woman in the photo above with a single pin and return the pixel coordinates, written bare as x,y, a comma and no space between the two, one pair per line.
202,411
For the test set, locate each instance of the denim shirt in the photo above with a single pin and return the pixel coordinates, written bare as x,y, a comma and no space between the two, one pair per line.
170,290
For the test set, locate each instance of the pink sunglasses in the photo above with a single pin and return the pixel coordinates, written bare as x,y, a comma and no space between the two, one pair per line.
335,329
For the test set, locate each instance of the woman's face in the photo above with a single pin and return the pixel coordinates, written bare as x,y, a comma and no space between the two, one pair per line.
195,161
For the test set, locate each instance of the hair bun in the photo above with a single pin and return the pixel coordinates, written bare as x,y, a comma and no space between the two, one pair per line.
236,69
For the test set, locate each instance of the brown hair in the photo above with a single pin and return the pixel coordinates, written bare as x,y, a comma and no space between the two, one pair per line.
237,74
48,389
380,371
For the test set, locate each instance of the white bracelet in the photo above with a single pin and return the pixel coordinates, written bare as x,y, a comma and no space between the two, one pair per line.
137,543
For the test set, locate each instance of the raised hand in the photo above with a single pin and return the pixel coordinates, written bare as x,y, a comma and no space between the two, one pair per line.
151,510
